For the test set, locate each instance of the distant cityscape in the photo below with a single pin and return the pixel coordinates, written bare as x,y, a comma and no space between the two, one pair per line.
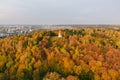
10,30
14,30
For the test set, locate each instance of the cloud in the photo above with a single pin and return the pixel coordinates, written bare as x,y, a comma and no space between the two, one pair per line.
59,11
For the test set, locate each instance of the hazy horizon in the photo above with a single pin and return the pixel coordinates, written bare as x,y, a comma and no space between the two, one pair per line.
59,12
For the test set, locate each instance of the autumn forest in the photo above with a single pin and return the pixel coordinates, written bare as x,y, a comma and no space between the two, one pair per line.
80,54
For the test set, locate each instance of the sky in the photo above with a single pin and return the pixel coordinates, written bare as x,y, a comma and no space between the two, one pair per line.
59,11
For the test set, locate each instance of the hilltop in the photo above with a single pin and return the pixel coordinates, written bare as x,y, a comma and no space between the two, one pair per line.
80,54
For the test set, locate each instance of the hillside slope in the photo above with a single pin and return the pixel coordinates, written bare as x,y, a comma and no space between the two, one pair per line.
83,54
